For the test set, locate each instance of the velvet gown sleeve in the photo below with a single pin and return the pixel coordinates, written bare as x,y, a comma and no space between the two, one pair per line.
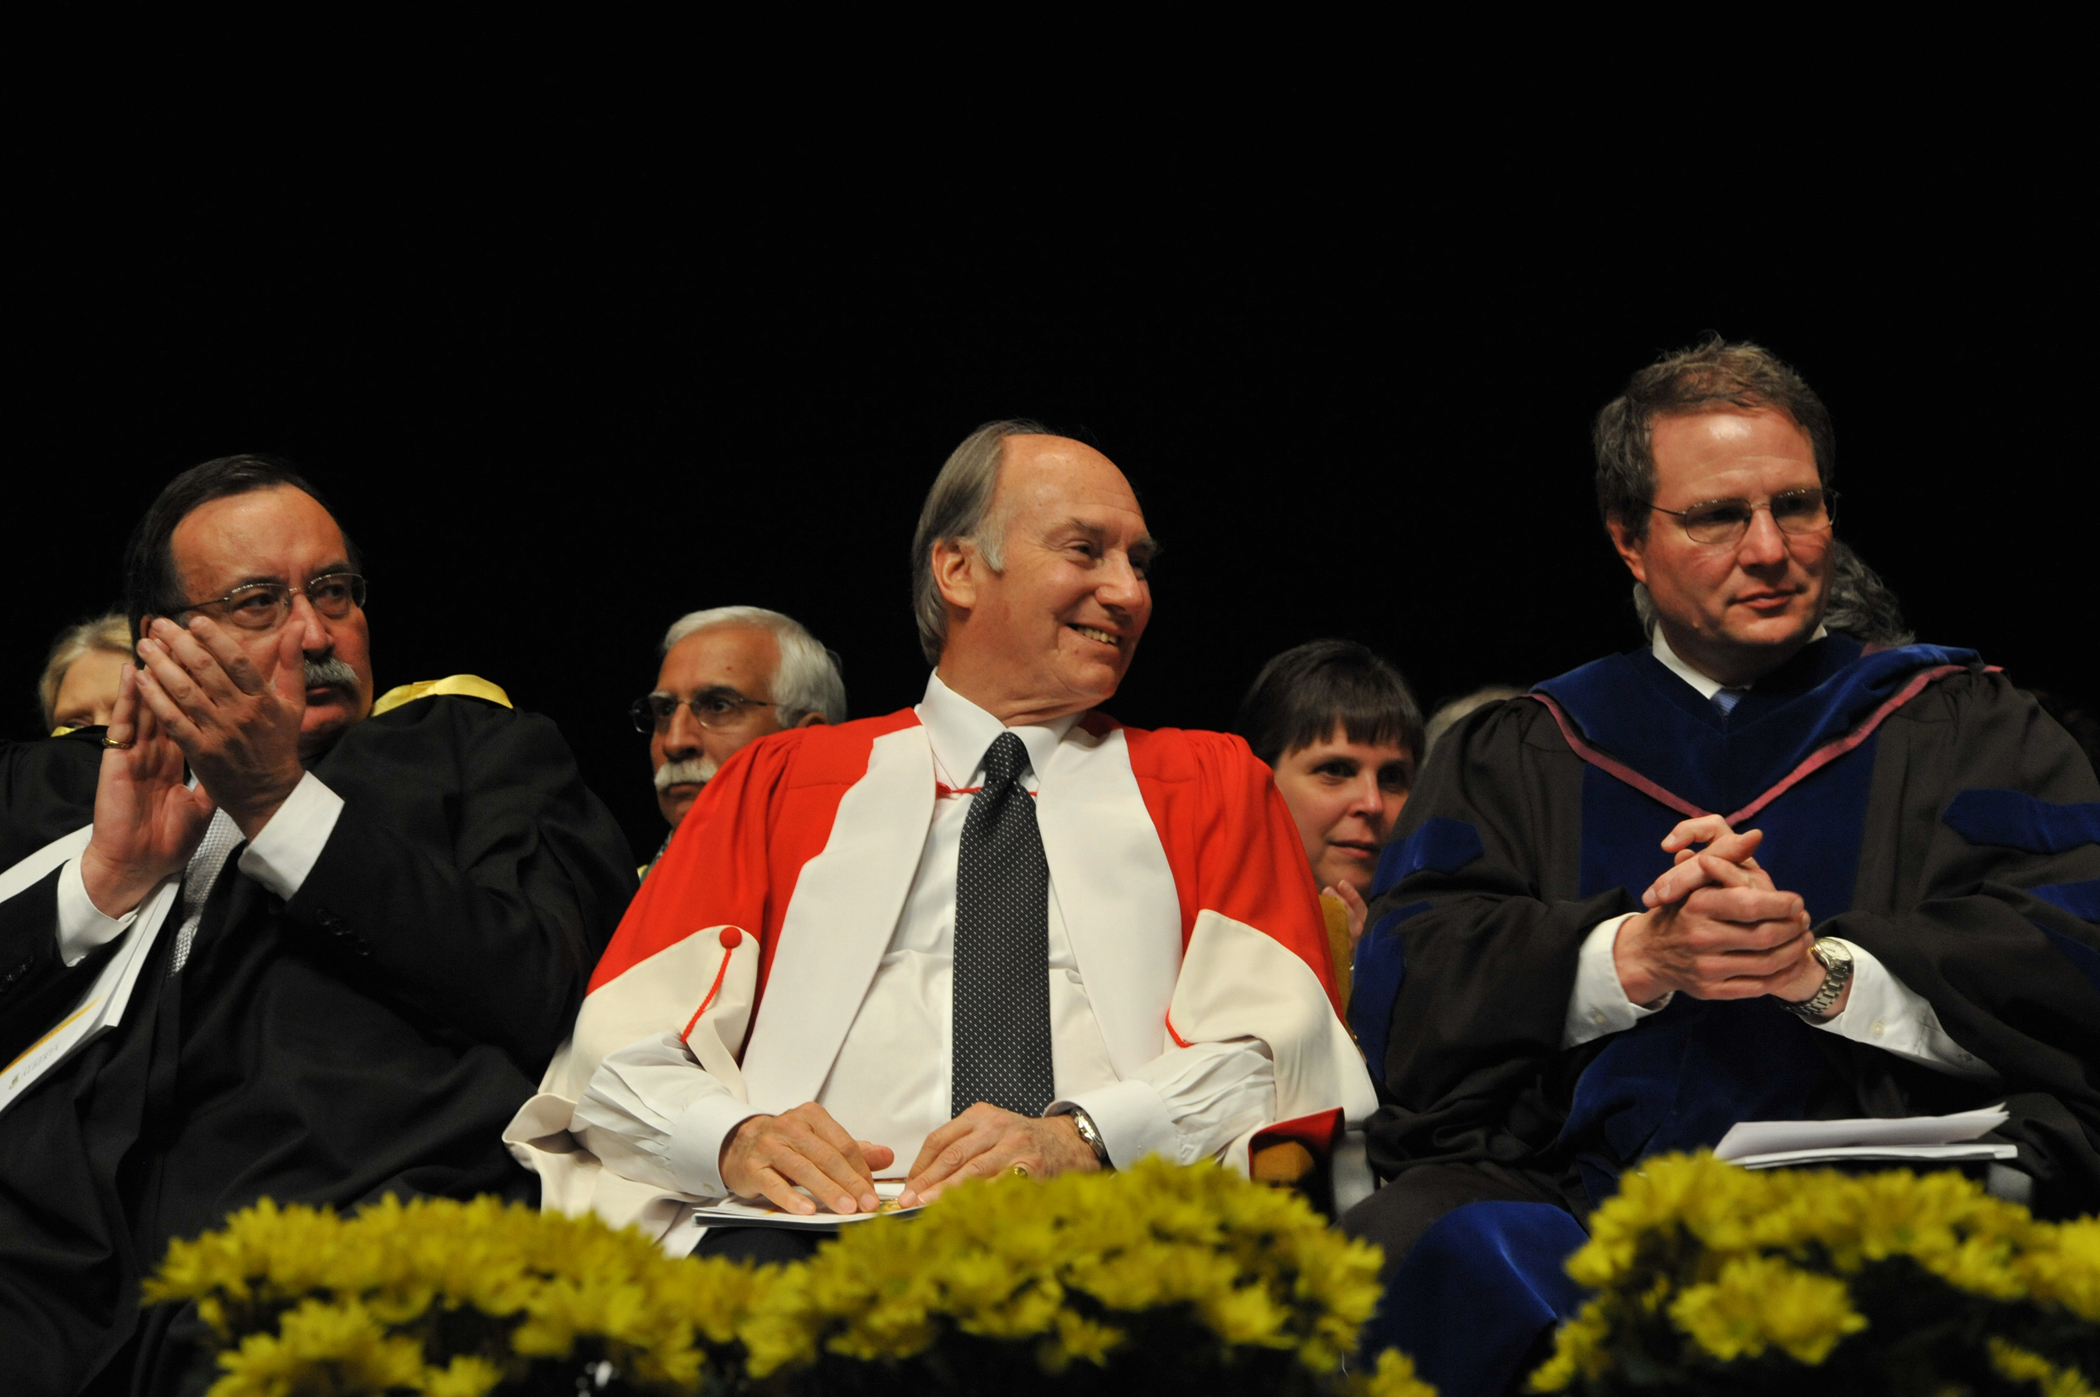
1481,889
485,902
1983,900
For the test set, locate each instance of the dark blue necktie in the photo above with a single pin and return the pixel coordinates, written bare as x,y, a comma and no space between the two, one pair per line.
1002,945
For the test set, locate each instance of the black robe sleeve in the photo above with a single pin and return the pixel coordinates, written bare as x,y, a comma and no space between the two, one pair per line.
486,907
1475,1062
1955,915
47,789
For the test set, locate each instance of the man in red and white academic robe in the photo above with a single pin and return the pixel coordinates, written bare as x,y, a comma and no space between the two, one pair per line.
798,997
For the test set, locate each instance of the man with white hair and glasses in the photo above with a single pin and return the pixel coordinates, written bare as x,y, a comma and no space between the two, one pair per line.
729,676
349,944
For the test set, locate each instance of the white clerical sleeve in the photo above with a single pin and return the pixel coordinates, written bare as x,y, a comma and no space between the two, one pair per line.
1599,1004
1186,1104
1883,1012
286,849
81,925
651,1113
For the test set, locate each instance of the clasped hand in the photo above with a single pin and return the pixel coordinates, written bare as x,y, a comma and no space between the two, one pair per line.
194,698
1715,926
767,1156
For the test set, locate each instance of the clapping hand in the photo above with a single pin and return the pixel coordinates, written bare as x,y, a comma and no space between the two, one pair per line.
1715,926
1351,899
238,726
147,820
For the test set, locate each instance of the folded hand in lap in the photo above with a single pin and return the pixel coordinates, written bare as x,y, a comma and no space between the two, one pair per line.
766,1156
1715,926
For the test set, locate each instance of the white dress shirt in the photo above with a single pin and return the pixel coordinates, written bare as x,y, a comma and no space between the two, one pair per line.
1881,1012
652,1115
280,856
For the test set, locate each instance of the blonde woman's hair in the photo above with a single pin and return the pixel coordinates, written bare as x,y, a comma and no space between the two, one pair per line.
111,632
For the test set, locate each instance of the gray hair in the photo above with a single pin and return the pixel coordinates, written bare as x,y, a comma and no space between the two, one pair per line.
808,679
1447,717
959,510
111,633
1860,604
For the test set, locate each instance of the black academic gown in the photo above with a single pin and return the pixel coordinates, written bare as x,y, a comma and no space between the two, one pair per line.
1925,809
1955,843
375,1034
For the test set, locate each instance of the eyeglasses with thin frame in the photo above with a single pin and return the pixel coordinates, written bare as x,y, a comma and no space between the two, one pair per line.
717,710
1726,521
263,606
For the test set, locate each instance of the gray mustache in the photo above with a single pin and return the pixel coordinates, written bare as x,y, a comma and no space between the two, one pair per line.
699,772
330,673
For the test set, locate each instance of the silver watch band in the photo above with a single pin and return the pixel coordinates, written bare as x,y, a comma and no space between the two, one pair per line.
1837,973
1088,1132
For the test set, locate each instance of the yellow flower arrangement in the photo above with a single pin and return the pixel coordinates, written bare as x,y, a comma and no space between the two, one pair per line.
451,1299
1727,1279
1186,1270
1179,1279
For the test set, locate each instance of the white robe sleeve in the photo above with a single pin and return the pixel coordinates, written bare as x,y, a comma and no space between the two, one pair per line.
654,1115
1186,1104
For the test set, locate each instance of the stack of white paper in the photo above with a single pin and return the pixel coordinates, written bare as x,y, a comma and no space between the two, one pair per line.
1938,1139
735,1212
105,1001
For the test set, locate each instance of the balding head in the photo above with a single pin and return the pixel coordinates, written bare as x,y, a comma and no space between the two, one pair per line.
1043,601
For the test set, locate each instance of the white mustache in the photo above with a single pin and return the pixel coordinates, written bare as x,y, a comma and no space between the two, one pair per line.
330,673
698,772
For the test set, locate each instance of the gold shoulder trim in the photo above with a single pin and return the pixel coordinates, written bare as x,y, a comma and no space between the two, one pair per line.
469,685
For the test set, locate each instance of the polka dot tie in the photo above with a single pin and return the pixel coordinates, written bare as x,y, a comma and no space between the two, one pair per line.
1002,945
221,837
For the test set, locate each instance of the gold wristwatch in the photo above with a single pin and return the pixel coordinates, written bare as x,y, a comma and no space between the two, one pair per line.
1837,973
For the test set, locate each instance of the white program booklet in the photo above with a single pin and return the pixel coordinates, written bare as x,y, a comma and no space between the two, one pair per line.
102,1007
735,1212
1907,1139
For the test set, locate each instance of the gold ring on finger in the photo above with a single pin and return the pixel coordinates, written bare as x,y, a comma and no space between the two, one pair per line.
1019,1171
112,742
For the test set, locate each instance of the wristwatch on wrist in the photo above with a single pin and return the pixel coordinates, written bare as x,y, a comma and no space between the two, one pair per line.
1837,973
1084,1124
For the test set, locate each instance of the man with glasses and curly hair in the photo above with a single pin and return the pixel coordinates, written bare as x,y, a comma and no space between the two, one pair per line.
350,943
1756,870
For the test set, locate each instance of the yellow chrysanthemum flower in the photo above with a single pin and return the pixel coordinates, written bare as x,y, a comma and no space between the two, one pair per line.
1759,1302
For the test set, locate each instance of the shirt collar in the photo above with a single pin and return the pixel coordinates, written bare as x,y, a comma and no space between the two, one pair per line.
960,732
1707,687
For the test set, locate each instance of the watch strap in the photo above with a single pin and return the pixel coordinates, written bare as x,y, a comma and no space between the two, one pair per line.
1837,973
1088,1132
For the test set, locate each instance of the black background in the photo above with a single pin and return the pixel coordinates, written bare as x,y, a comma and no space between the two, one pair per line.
560,398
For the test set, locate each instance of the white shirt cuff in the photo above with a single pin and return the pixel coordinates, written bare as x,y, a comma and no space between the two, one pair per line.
697,1134
1883,1012
1599,1005
1132,1118
81,925
285,850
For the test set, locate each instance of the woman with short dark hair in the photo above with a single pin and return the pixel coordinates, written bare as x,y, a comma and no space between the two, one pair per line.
1342,731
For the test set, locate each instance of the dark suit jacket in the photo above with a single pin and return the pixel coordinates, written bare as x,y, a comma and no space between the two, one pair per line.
374,1034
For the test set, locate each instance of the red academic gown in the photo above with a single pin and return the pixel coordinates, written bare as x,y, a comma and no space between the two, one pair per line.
1185,892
